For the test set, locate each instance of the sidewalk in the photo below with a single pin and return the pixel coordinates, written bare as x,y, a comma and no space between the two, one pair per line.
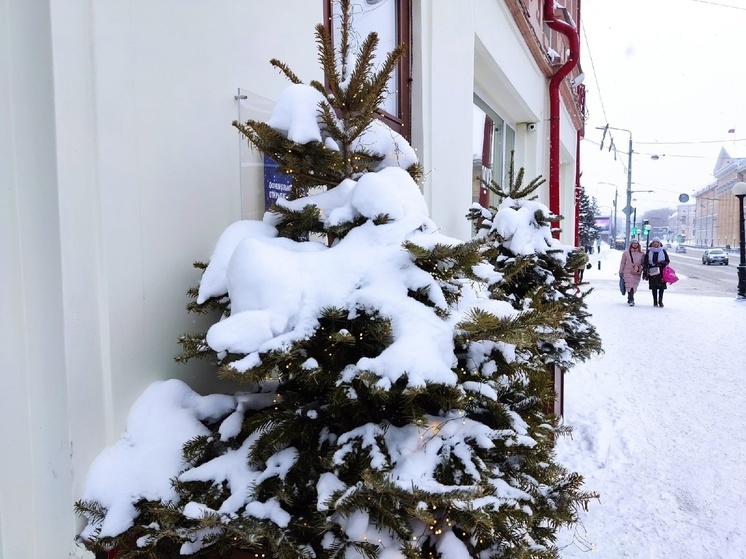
660,425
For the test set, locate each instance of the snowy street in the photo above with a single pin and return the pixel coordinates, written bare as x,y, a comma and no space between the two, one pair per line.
660,425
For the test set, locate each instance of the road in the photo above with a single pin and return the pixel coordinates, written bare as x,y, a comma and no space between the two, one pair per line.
705,280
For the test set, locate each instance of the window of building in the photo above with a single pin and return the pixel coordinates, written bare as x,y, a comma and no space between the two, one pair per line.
493,142
391,20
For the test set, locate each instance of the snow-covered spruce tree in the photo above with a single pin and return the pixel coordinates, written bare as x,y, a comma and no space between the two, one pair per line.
538,271
338,142
391,405
588,232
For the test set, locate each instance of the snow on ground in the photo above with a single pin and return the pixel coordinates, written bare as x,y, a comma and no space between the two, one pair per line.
659,425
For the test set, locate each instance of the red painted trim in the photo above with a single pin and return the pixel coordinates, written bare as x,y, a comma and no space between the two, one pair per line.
554,104
577,190
488,132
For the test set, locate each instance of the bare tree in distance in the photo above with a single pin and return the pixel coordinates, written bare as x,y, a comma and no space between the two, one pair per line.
658,217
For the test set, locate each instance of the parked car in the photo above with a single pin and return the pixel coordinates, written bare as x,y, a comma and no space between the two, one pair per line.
680,248
715,256
668,245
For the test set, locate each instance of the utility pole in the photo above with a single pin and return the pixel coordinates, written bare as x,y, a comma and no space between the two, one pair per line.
628,209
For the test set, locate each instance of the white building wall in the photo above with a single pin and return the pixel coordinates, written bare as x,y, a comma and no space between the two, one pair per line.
442,105
508,79
35,477
567,175
485,54
119,167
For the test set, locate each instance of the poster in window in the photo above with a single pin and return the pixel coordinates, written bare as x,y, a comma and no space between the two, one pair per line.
276,183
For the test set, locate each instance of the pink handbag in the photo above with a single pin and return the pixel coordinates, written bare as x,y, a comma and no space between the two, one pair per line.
669,275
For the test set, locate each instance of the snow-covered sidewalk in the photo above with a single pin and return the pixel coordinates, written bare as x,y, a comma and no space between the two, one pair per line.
660,426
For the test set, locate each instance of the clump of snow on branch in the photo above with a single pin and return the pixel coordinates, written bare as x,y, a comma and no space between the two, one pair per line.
149,454
516,223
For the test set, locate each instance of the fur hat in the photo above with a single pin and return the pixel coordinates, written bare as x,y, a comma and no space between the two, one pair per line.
655,240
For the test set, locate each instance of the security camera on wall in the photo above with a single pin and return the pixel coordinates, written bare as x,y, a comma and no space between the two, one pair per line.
577,80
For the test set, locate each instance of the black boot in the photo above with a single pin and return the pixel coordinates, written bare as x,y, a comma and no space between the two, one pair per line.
631,298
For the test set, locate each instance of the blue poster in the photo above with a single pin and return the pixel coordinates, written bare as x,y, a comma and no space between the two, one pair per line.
276,183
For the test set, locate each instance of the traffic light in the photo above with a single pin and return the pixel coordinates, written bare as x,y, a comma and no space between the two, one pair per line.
634,230
646,225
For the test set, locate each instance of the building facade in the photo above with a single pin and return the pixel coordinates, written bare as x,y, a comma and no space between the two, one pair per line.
716,208
119,168
681,224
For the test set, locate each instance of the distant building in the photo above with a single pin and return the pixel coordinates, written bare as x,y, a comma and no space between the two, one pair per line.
681,224
716,208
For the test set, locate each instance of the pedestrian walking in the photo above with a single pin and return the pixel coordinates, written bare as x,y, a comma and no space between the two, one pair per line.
630,269
656,258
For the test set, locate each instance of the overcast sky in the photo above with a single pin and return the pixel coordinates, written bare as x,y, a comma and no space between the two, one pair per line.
671,71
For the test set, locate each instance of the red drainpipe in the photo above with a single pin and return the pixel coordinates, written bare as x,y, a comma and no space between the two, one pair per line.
554,104
576,237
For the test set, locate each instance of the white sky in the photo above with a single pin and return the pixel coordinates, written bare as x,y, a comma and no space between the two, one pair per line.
660,426
669,71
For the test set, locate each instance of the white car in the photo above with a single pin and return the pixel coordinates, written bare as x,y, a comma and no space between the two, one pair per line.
715,256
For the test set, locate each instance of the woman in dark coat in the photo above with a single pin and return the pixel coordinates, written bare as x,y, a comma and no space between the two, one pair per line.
656,258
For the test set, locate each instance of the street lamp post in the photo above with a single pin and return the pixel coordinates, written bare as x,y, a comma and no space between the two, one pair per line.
739,189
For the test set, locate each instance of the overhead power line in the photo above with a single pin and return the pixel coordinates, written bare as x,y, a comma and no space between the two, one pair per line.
595,74
651,154
692,142
719,5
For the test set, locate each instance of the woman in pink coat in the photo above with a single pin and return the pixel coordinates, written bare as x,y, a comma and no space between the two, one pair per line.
630,268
